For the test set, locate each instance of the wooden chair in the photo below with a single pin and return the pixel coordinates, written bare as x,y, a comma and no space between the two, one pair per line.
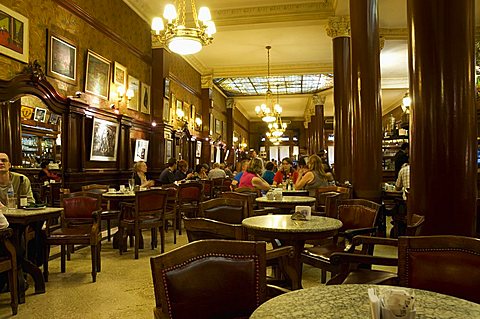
443,264
359,216
148,212
106,214
205,228
224,209
8,263
357,268
227,279
322,193
80,220
189,196
207,188
171,212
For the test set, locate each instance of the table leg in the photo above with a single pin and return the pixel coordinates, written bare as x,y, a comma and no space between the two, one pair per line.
294,265
36,274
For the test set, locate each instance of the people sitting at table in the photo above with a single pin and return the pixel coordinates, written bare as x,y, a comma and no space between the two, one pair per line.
268,174
167,176
46,175
227,170
140,176
312,177
216,172
285,173
200,172
251,178
243,166
20,183
182,171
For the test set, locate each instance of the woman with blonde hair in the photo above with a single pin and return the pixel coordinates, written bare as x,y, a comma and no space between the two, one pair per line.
251,177
139,174
312,177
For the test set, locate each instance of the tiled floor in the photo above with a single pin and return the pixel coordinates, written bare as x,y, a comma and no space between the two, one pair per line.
123,289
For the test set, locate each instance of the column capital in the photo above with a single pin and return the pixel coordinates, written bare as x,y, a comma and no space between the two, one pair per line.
207,81
338,26
231,103
381,41
319,99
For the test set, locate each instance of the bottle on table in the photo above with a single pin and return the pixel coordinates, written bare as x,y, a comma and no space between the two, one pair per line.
11,199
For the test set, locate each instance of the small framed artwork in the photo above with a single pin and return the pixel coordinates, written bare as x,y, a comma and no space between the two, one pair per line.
97,78
186,110
27,112
40,114
13,34
145,98
218,126
192,111
168,150
166,88
179,105
104,140
119,74
62,58
134,85
54,119
141,151
166,110
198,151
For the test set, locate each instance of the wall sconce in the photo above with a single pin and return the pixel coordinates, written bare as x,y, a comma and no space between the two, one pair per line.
180,115
198,123
406,102
154,123
120,92
235,139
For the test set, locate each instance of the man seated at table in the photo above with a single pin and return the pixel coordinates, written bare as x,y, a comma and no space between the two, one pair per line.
216,172
168,176
182,171
21,183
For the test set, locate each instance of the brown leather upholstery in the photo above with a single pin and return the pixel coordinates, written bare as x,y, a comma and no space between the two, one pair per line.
171,212
444,264
225,209
204,228
80,226
189,196
322,193
207,188
226,279
8,263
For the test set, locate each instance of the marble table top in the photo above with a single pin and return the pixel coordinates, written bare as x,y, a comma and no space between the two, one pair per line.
284,223
351,301
118,195
20,212
287,199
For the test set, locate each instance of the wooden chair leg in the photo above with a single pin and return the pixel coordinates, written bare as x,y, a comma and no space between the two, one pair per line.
121,241
137,242
108,229
46,257
99,261
324,276
62,258
162,238
94,262
12,284
175,231
154,242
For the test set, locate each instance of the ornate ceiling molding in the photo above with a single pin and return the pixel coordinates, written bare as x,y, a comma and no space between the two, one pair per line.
289,69
207,81
338,26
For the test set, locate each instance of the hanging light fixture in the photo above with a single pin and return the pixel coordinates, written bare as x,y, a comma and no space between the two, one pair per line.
177,36
270,109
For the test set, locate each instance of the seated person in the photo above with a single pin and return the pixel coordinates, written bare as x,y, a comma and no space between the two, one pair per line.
312,177
286,172
139,174
268,174
216,172
238,176
20,183
168,176
46,175
251,177
200,172
3,219
182,171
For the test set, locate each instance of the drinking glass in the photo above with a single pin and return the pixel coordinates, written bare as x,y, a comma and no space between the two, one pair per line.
131,184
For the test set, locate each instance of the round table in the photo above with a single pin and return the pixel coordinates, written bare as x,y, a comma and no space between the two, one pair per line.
295,192
287,203
291,233
351,301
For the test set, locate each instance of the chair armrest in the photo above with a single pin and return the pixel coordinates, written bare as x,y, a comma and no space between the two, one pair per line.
347,258
274,291
266,211
369,240
350,233
286,251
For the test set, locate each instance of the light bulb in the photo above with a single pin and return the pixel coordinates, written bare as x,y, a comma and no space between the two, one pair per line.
157,25
204,14
170,13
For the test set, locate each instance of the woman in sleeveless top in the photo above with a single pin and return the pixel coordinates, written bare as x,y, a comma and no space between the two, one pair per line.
312,178
251,177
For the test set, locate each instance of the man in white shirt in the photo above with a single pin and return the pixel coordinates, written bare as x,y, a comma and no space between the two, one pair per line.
216,172
403,180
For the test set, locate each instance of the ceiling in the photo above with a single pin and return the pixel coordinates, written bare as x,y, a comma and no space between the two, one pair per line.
295,29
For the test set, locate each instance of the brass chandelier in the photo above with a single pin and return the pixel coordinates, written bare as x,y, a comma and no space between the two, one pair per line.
177,36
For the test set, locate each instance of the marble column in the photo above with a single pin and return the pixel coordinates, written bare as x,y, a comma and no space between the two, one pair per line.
443,171
339,30
319,101
207,105
313,133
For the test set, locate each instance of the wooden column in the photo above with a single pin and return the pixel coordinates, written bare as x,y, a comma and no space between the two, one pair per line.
367,112
339,30
206,106
319,122
313,134
443,169
229,138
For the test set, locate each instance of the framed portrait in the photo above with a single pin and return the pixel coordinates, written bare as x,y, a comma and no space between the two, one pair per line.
166,110
141,151
186,110
13,34
40,114
198,150
119,74
104,140
145,98
27,112
134,85
62,58
97,75
54,118
168,150
166,88
218,126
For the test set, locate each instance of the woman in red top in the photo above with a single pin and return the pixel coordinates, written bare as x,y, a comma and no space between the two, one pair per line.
286,172
251,177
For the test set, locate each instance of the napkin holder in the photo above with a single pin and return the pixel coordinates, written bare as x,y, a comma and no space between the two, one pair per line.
302,213
379,311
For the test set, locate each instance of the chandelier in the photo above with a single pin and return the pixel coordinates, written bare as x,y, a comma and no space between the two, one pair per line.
270,110
177,36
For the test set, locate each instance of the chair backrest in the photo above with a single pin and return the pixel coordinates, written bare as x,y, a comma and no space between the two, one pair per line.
152,202
249,190
191,192
227,210
357,213
204,228
80,205
226,279
207,188
249,198
443,264
95,188
415,226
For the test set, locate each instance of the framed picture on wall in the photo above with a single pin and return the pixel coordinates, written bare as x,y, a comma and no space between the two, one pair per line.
40,114
97,75
14,35
168,150
119,74
166,88
145,98
218,126
104,140
134,85
198,151
141,151
27,112
54,118
62,58
166,110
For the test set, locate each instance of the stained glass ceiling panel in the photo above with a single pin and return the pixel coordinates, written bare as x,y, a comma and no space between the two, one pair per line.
289,84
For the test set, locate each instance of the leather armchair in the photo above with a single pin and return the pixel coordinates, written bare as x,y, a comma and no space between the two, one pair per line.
8,263
224,209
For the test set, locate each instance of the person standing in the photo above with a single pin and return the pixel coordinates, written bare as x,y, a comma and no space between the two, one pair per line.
401,157
19,182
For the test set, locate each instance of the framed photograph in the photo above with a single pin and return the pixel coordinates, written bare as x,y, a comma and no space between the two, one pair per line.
198,151
104,140
97,75
168,150
145,98
166,110
119,74
27,112
40,114
62,58
13,34
166,88
218,126
54,118
141,151
134,85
